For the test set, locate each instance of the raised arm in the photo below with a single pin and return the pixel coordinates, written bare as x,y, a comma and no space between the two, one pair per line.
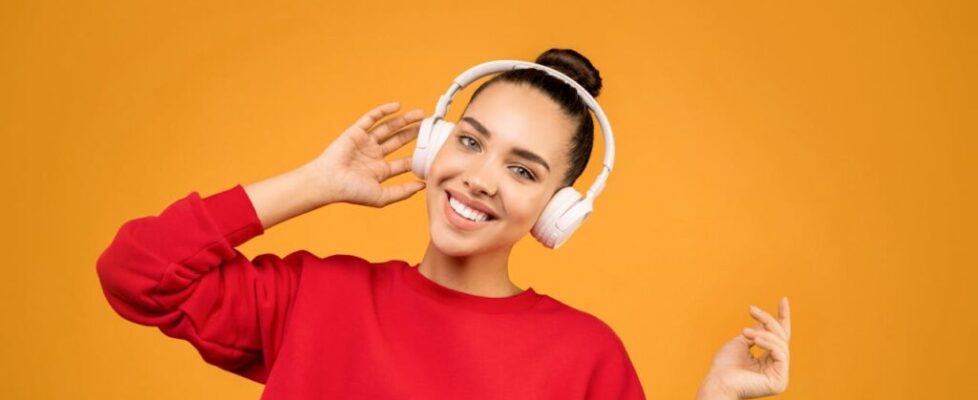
181,271
350,170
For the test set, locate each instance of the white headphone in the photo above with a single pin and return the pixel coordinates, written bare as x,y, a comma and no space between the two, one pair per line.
567,209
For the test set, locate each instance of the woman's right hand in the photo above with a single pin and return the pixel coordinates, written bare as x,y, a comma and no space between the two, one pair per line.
352,167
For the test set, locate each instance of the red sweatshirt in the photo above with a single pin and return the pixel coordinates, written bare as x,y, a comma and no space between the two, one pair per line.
342,327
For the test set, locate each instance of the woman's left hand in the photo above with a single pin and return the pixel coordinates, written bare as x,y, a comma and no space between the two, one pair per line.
736,374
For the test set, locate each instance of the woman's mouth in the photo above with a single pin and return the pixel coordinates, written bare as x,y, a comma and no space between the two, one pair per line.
463,217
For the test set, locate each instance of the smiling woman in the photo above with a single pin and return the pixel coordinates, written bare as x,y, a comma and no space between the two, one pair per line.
496,171
452,325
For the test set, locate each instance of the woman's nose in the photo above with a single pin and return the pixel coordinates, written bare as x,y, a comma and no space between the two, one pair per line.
480,180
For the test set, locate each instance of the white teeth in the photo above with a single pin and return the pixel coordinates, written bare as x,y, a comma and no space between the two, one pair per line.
468,213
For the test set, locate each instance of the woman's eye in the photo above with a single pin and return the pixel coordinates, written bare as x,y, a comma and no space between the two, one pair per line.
468,141
523,172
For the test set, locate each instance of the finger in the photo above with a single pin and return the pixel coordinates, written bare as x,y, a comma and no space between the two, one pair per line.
778,353
779,362
400,139
385,129
769,321
769,348
768,341
400,192
372,116
784,313
397,167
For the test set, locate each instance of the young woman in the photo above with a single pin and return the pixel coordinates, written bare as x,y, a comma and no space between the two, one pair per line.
450,326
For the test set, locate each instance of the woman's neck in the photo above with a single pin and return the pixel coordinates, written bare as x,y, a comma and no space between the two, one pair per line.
484,275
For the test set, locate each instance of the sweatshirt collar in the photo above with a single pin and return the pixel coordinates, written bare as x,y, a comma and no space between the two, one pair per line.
494,305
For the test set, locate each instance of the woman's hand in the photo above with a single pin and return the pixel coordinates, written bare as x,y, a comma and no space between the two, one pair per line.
736,374
352,168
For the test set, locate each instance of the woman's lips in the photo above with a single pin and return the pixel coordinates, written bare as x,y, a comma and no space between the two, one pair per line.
459,221
477,206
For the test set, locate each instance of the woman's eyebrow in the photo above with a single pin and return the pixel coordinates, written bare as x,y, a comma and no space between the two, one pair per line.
518,151
475,124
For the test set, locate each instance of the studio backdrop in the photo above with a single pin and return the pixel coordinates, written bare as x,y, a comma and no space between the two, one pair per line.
819,150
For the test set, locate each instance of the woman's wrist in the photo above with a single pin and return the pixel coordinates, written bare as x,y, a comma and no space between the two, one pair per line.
712,389
319,189
284,196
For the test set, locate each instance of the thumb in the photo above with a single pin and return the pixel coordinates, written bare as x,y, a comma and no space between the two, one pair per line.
400,192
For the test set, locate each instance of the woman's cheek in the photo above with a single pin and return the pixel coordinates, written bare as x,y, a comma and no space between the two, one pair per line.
454,161
445,164
524,212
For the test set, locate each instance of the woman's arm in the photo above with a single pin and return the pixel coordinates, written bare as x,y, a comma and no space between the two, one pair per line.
350,170
181,271
284,196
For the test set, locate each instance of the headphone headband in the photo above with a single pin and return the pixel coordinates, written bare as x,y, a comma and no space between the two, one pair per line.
491,67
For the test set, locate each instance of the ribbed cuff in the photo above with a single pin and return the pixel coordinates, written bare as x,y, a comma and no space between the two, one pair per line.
234,215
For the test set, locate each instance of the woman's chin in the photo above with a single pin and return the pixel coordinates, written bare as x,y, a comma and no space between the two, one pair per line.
453,246
450,243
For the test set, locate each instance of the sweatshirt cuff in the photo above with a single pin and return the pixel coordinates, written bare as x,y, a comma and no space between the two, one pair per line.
234,215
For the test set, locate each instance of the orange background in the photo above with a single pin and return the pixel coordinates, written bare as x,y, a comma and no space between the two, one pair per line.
820,150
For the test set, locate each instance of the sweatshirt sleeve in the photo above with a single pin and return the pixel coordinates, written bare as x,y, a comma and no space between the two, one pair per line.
614,376
180,271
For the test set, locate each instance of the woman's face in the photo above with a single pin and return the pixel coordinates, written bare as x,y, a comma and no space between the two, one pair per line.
503,161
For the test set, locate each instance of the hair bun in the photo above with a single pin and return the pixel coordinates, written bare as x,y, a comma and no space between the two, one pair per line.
574,65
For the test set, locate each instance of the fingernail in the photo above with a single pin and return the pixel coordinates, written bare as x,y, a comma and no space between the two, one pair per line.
754,308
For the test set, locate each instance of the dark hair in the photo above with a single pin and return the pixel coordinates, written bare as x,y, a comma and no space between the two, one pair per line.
579,68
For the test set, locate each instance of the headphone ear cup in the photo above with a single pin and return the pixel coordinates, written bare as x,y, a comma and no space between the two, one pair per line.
422,147
439,134
546,229
568,223
431,136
